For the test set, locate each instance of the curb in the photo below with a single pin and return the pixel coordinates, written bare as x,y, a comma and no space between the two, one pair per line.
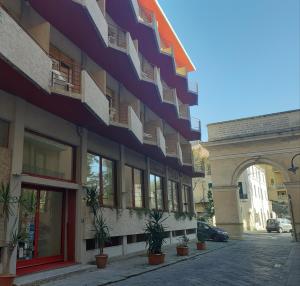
162,266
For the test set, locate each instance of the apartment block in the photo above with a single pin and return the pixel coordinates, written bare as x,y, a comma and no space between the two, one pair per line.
95,92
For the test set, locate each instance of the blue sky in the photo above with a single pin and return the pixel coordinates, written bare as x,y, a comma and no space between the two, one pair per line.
246,53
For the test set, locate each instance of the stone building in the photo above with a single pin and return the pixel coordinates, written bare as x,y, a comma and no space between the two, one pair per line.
93,91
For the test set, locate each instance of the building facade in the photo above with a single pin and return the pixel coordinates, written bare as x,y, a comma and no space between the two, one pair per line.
92,92
201,185
254,201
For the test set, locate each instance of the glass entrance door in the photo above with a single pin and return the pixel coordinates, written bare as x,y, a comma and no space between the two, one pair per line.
41,220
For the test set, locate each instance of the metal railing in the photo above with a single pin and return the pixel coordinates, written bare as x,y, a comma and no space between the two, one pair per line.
117,36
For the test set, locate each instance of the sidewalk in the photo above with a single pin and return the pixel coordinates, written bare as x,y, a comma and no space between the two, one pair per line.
117,270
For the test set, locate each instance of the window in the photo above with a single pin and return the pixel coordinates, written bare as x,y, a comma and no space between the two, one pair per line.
172,196
241,191
46,157
156,192
134,187
101,173
185,198
4,133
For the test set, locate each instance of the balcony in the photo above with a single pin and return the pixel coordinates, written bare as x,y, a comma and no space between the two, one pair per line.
96,12
173,148
187,158
153,135
23,51
121,40
151,73
170,96
79,85
184,112
126,117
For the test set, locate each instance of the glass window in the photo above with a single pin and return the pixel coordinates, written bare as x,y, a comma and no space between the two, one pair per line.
101,173
156,192
4,133
46,157
172,196
185,198
134,187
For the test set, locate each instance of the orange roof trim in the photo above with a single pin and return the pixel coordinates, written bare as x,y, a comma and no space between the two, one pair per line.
168,34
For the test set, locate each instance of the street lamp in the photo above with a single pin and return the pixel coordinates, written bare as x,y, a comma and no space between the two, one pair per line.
294,168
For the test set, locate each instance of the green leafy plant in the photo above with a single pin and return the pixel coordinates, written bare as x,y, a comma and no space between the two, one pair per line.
9,204
155,232
183,241
102,234
209,206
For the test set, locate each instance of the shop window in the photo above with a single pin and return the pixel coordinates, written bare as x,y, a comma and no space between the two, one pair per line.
90,244
46,157
191,231
134,187
173,196
185,198
156,192
101,173
176,233
140,237
4,126
114,241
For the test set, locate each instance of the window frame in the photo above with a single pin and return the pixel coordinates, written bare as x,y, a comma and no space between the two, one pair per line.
73,163
172,192
155,188
115,199
186,189
133,188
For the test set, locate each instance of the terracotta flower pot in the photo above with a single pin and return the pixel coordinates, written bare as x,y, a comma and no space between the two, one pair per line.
101,260
201,245
7,279
155,259
182,250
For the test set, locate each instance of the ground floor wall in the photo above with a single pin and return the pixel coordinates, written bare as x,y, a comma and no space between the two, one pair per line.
126,225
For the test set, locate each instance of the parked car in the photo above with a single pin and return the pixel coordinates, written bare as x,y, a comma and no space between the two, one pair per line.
279,225
211,232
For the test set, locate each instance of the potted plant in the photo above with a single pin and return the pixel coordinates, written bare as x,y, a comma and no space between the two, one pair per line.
155,237
7,206
100,226
201,237
182,247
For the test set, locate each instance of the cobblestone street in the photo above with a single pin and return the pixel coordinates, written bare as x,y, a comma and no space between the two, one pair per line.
260,259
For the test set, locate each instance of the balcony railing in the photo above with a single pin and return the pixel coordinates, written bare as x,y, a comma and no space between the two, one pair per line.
195,124
153,135
187,154
148,70
127,118
146,16
170,95
23,51
117,37
184,112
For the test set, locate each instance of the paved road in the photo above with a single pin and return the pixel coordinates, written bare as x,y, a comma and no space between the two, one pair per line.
260,259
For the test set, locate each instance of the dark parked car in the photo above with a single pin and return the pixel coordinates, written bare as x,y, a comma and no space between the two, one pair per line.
279,225
211,232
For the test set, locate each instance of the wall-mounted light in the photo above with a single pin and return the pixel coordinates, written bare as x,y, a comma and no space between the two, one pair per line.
293,168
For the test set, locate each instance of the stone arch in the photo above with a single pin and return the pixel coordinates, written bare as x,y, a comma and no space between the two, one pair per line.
254,161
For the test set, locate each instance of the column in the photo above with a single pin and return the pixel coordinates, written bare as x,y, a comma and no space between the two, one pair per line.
146,183
227,210
16,142
81,174
293,190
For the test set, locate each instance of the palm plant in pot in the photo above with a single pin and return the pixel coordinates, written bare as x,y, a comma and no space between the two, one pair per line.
182,247
155,237
101,228
201,238
8,204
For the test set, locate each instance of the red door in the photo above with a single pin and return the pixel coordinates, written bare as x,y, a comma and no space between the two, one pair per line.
42,225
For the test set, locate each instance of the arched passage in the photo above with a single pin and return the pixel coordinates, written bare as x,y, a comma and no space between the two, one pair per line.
235,145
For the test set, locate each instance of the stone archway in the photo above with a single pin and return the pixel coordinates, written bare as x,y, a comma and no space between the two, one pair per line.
235,145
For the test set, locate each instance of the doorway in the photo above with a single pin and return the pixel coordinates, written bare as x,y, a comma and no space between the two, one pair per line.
42,224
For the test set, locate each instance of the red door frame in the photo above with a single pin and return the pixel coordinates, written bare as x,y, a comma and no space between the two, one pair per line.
69,198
